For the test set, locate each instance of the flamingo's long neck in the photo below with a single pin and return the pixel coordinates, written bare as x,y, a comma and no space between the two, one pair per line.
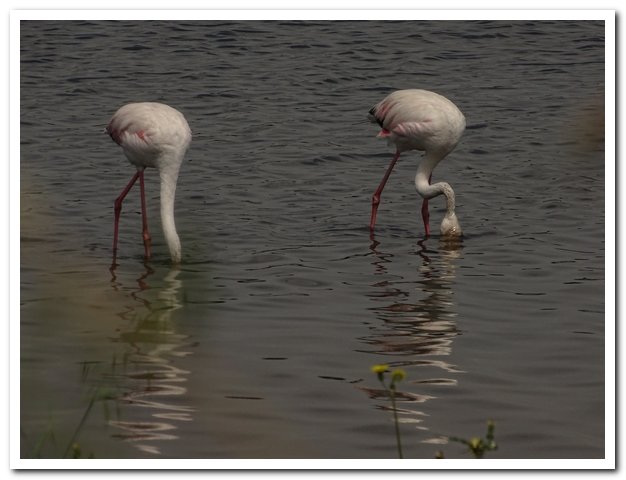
450,224
424,188
169,177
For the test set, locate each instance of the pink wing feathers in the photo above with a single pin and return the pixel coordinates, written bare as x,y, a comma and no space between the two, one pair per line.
395,115
417,119
135,136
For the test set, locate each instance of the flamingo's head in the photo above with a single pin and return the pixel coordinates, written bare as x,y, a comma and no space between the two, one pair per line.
450,226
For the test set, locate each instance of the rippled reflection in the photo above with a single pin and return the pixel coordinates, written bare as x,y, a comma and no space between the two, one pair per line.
416,322
152,386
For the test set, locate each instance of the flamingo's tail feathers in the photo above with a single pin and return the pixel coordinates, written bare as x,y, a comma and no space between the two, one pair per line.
373,118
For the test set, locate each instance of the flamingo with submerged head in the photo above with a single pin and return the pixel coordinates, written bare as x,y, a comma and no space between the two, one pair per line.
152,135
425,121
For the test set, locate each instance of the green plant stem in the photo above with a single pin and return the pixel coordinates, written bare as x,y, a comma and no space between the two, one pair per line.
392,394
92,400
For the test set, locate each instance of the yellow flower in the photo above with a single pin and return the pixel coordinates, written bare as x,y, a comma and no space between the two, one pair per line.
398,375
380,368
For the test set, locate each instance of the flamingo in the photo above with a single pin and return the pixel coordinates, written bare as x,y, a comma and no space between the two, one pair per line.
152,135
426,121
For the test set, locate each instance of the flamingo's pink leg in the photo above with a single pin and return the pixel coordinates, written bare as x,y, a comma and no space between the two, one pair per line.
118,211
147,241
425,213
379,190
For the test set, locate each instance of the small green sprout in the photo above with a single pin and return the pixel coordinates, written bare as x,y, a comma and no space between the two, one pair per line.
479,446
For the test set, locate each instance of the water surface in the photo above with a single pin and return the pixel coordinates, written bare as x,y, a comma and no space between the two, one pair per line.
260,344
